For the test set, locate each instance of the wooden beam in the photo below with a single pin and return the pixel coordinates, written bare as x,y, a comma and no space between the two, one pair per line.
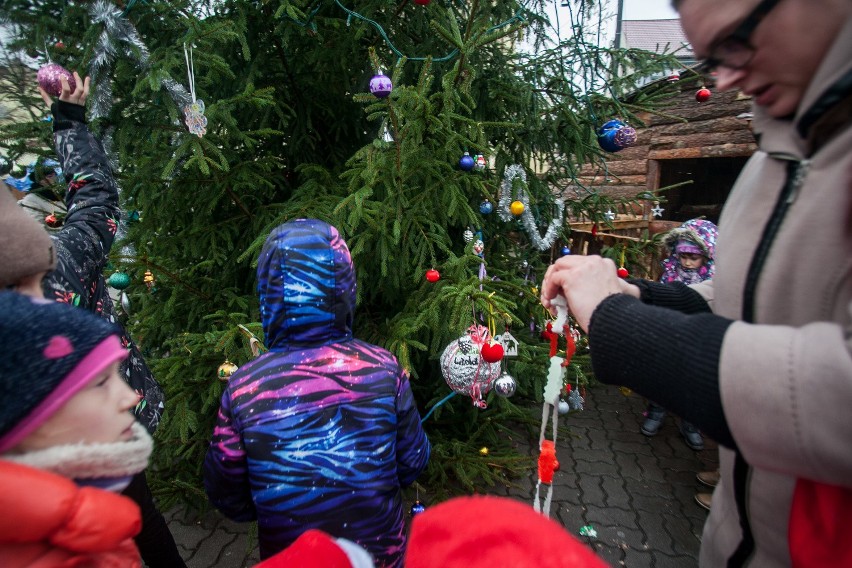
723,151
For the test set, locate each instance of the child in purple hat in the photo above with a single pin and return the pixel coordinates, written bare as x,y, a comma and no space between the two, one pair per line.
692,248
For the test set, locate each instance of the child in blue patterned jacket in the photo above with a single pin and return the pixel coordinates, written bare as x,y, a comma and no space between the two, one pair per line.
321,431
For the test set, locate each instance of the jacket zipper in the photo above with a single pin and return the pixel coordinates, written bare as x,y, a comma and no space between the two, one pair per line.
797,170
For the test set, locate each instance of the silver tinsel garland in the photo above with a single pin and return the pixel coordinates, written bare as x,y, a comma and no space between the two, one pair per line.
118,31
508,194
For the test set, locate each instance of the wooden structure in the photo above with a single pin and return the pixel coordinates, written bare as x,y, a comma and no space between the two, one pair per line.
685,163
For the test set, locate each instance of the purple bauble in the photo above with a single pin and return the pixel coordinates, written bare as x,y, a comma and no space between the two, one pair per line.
48,78
381,85
625,136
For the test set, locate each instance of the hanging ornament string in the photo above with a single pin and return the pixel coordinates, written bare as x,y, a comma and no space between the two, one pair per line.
514,187
353,14
194,112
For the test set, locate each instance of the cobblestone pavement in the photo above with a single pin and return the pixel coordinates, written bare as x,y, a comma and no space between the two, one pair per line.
637,493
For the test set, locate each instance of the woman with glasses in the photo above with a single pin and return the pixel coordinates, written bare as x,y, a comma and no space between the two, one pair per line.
770,336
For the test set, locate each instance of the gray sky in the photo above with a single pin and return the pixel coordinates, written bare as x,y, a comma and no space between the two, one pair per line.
646,9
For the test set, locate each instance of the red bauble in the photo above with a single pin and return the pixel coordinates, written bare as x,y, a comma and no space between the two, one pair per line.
702,95
422,2
51,221
622,272
492,352
433,275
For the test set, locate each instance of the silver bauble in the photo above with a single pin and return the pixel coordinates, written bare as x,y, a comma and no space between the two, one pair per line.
505,385
464,369
125,303
563,407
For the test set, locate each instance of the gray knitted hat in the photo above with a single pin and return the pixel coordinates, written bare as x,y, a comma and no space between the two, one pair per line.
25,247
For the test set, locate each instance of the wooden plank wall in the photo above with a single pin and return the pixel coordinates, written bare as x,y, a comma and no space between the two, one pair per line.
713,129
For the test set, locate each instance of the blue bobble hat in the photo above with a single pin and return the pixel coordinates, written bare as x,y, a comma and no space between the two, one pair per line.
51,351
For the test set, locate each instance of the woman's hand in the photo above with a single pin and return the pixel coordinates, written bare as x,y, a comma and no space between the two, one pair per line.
585,281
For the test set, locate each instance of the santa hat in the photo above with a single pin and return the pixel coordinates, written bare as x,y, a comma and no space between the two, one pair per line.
480,531
316,549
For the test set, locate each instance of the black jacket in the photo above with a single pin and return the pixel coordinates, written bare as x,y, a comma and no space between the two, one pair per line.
83,244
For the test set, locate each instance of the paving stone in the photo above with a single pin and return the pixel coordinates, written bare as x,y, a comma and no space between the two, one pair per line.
637,492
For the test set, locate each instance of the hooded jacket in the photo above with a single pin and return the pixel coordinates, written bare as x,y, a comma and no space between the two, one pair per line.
322,430
49,522
84,241
703,235
771,367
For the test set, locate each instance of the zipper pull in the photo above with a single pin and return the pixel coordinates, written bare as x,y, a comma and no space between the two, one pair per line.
801,172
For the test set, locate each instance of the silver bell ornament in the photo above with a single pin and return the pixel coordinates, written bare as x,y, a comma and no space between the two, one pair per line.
505,385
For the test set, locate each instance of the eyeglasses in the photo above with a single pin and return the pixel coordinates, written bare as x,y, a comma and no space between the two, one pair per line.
735,51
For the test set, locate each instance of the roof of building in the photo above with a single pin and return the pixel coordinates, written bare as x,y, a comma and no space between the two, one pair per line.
656,36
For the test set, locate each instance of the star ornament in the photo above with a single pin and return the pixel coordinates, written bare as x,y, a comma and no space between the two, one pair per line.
610,215
657,211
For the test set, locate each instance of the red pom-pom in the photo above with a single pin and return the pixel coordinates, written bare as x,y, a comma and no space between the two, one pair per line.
622,272
702,95
492,352
547,463
433,275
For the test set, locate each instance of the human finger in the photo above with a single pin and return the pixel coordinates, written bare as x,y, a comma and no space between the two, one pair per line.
65,91
86,87
45,96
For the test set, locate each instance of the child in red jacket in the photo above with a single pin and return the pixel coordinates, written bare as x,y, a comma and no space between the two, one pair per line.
68,439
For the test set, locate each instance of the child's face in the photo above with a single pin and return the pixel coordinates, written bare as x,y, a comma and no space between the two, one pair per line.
99,413
31,285
690,260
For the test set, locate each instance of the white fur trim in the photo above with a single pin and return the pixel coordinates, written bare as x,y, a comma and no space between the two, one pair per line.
93,461
358,556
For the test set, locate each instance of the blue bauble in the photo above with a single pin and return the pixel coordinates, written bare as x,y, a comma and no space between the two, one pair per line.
486,207
466,162
566,251
606,141
417,508
613,124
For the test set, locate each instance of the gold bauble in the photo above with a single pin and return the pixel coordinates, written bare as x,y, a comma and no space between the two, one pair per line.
516,208
483,450
225,371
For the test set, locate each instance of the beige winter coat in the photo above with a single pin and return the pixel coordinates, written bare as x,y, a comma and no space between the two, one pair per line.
786,381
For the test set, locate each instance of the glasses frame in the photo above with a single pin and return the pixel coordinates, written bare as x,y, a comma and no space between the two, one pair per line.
740,37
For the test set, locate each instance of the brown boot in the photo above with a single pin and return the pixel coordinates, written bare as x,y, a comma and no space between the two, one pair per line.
703,499
708,478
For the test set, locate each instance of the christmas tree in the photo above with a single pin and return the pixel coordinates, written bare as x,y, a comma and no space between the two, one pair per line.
458,169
